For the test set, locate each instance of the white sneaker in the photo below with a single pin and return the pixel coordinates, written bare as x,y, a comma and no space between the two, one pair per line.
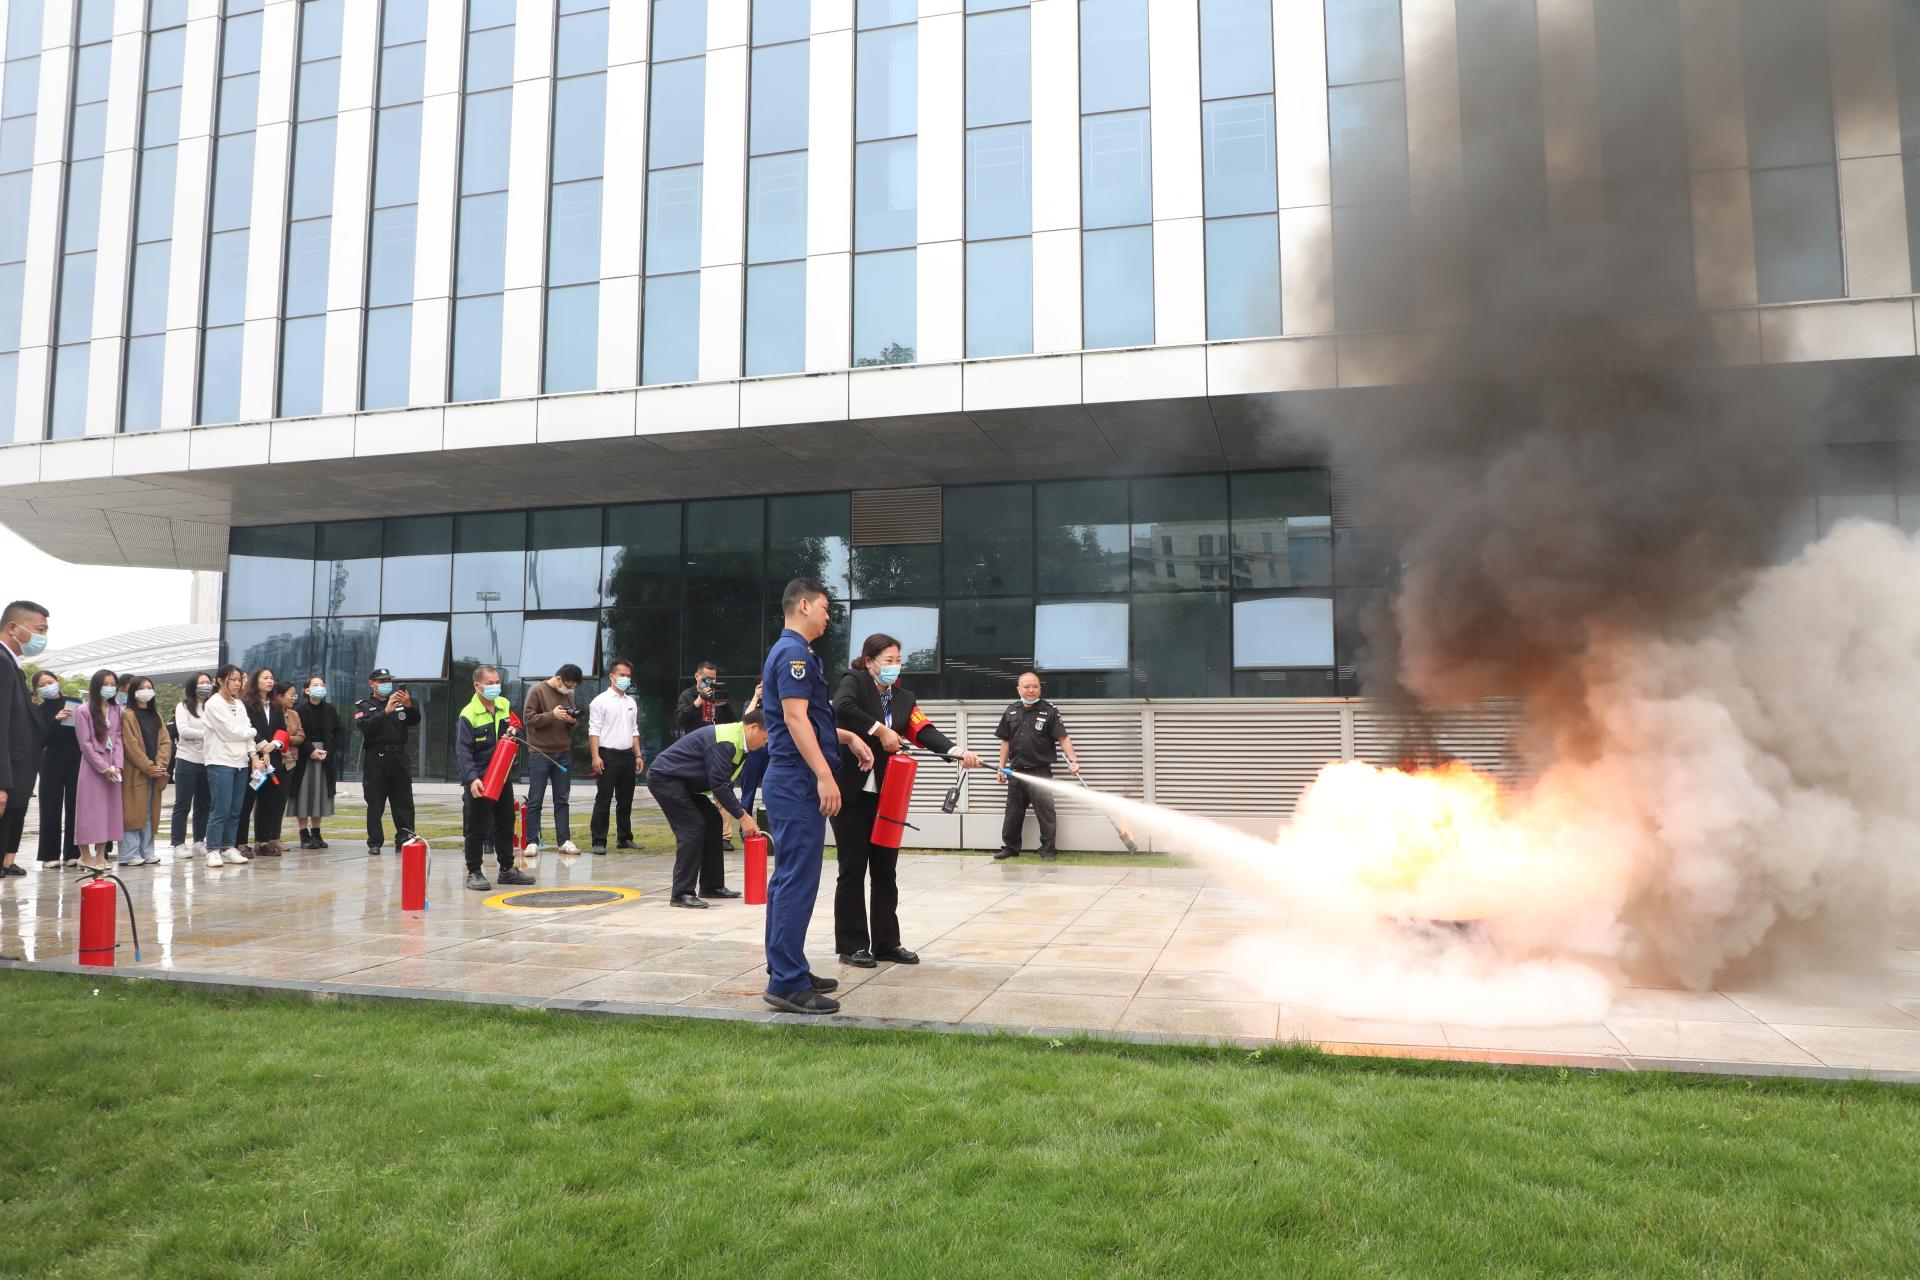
235,856
570,847
531,851
173,852
199,846
214,859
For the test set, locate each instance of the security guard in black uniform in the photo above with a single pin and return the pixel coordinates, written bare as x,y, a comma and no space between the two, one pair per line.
382,717
1030,731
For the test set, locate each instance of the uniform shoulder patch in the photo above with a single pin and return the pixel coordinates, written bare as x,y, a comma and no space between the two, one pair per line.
798,667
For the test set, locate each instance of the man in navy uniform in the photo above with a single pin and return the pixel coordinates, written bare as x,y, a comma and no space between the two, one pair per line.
803,750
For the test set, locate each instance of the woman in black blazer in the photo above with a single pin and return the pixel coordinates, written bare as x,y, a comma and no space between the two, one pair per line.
870,703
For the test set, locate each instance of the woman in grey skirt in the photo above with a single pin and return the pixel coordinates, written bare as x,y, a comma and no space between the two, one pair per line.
318,767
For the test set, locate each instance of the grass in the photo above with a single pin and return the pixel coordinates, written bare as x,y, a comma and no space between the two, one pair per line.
153,1131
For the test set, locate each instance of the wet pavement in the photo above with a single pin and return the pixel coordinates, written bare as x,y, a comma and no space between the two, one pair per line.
1138,953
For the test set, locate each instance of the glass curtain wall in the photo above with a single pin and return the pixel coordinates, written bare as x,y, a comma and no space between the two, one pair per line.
1503,142
393,235
303,334
230,215
1790,150
676,146
1239,159
573,218
1116,176
153,216
886,177
480,262
999,160
19,107
1643,148
80,220
777,189
1367,126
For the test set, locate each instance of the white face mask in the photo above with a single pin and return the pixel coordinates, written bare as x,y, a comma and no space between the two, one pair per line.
143,697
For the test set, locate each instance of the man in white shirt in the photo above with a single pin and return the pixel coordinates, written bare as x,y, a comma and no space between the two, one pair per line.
613,722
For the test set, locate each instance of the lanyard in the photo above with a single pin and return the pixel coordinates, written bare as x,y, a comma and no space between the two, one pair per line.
886,709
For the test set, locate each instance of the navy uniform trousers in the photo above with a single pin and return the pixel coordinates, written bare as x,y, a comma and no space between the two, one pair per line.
792,798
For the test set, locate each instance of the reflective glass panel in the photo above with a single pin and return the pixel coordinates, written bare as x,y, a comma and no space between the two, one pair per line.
725,553
1117,287
582,43
679,29
403,21
573,243
563,567
270,572
676,120
989,539
82,230
551,643
319,29
239,103
807,537
1083,636
999,182
884,308
886,83
1113,54
1368,127
1236,47
160,122
227,277
1238,155
1796,233
896,572
390,256
319,90
1283,631
777,115
986,645
1081,536
166,58
303,350
233,183
670,329
220,374
490,59
389,357
642,560
1282,529
916,627
999,69
284,645
92,65
417,571
1116,170
396,178
12,278
16,143
886,196
484,141
777,207
154,220
776,319
68,418
146,375
89,131
579,128
483,245
673,221
1243,277
1182,645
1363,40
307,244
76,298
880,13
489,562
346,574
413,648
1000,298
1179,533
476,348
403,74
775,20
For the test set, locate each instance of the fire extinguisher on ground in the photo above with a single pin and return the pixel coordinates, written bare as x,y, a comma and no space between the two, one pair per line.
414,855
753,858
97,942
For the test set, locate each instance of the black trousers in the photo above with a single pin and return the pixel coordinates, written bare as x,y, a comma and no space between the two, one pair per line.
58,789
13,823
269,809
860,860
616,785
696,836
386,778
249,801
486,822
1019,796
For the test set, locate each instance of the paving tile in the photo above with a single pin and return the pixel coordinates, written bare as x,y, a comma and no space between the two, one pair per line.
641,988
1092,957
1194,958
1588,1038
570,955
1197,986
1202,1017
1058,980
1708,1041
1084,935
417,973
742,1002
1867,1013
528,980
934,1004
1326,1028
1685,1006
995,931
962,951
1872,1048
1044,1009
959,977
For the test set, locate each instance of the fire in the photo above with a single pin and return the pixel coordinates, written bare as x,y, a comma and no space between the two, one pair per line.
1427,844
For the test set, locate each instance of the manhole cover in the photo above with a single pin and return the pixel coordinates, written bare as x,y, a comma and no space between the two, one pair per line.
561,899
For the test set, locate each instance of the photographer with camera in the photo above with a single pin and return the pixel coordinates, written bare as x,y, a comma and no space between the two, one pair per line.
386,776
551,716
706,703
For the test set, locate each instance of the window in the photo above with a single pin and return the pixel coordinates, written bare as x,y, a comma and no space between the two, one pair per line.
153,222
1081,536
999,178
418,566
1283,631
676,140
1796,205
885,177
577,165
1643,136
988,539
1177,513
776,310
548,644
1238,160
222,343
1087,636
642,560
346,573
310,210
270,571
413,648
916,627
387,373
480,247
80,232
1367,128
1503,140
489,562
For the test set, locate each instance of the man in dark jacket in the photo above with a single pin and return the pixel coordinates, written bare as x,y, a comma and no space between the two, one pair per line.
23,627
1031,733
483,723
688,779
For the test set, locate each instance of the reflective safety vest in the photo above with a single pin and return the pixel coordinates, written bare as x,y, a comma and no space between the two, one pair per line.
735,736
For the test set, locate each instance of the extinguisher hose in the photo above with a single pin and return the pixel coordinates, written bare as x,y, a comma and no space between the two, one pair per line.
133,923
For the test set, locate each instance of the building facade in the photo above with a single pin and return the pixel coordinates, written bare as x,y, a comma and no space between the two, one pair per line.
530,331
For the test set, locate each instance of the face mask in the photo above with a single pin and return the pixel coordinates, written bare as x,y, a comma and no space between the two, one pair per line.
384,688
49,692
888,674
568,690
489,691
1025,701
204,690
143,697
318,693
34,645
622,683
107,692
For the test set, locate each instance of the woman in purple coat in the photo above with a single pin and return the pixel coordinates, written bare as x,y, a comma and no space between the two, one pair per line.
98,818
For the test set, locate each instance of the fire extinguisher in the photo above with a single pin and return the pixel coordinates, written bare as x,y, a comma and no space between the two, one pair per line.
413,873
520,835
97,941
890,822
753,856
505,752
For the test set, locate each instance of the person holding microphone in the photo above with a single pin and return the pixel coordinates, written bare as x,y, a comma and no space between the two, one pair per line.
871,703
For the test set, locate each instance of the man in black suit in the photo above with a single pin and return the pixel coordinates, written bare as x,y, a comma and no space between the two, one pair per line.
23,634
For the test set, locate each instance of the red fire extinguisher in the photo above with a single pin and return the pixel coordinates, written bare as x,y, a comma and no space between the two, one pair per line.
413,874
753,857
97,941
890,823
505,752
520,835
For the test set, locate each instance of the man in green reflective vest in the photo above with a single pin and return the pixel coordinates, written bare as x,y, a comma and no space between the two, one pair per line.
476,735
706,761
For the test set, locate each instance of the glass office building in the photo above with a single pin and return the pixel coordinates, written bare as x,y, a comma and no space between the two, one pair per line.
553,330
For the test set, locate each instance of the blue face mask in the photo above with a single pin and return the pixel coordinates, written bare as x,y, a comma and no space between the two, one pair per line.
49,692
108,692
1025,701
888,674
318,693
384,688
34,646
622,683
489,691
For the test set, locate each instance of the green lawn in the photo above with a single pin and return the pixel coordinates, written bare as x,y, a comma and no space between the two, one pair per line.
154,1132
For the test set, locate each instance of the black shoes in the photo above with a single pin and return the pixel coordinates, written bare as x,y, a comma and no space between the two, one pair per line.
1048,855
1004,854
721,892
477,882
599,848
628,844
861,959
802,1002
318,841
13,869
373,851
899,955
513,875
690,902
306,839
823,984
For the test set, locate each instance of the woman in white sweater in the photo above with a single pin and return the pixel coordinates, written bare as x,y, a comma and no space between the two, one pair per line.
228,744
190,793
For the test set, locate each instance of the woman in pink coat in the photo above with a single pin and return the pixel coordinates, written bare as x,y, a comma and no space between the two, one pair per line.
98,817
